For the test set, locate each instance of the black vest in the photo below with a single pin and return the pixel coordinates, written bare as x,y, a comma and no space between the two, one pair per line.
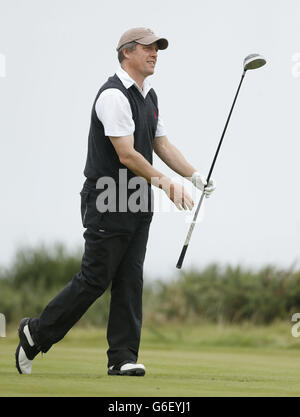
102,159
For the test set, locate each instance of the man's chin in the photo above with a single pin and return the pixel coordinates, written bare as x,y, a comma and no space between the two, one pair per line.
150,72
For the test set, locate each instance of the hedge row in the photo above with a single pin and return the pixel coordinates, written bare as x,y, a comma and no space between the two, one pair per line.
216,293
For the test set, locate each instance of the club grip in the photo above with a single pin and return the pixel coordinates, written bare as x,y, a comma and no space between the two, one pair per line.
181,257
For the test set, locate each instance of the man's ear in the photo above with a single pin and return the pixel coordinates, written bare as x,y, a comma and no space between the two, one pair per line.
126,52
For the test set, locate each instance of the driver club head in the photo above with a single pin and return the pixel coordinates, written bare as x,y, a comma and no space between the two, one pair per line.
254,61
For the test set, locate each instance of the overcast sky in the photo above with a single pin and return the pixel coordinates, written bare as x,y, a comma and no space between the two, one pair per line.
55,55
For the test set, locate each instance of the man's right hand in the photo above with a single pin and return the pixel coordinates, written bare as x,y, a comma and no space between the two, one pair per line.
177,193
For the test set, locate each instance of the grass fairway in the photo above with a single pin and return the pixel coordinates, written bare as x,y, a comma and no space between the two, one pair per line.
207,360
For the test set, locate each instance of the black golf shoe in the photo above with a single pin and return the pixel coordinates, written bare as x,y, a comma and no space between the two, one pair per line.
26,350
127,368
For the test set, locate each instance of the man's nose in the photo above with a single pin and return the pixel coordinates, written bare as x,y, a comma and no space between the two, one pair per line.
154,53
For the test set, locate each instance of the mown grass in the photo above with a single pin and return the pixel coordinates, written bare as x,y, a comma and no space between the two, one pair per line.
203,360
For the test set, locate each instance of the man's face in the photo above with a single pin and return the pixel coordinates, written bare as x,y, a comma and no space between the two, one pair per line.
143,59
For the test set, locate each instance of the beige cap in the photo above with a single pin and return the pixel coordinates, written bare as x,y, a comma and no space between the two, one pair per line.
143,36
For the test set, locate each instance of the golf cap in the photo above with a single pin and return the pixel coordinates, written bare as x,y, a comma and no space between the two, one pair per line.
143,36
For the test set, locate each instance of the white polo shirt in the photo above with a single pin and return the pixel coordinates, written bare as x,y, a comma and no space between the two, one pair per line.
114,111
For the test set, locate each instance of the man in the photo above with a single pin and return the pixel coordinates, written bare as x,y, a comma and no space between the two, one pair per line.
125,129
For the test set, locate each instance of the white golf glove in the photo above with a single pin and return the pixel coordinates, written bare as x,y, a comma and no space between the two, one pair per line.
199,181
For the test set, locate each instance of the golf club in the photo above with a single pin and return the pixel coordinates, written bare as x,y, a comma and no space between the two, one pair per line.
251,62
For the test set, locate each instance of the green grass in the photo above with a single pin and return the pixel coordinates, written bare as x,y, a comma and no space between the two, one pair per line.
203,360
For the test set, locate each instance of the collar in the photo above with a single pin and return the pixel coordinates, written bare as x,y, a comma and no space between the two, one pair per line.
127,81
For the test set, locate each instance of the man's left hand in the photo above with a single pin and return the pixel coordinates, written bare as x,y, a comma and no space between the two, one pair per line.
199,181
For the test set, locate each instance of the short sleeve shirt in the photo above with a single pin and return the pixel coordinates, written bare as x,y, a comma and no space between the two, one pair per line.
114,111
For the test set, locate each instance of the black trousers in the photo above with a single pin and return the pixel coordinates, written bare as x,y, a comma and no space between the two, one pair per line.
115,246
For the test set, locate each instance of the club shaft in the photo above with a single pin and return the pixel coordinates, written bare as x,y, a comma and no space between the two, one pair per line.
189,233
192,225
225,128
